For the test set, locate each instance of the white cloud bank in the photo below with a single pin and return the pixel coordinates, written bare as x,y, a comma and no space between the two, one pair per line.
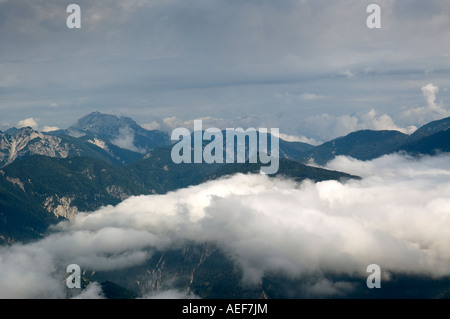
397,216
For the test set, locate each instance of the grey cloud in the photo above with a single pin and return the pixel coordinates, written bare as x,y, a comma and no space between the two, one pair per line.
28,272
214,58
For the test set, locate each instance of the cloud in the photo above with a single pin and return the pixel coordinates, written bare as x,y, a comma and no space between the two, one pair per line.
207,60
311,96
429,112
31,122
394,167
75,133
170,123
324,288
373,121
293,138
27,272
152,126
429,91
170,294
125,140
396,216
327,126
290,98
347,73
50,128
92,291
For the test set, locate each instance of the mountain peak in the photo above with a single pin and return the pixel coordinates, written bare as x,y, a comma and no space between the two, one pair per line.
100,123
13,131
120,131
432,128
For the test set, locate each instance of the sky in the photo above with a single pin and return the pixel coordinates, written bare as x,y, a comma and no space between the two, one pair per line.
319,233
311,68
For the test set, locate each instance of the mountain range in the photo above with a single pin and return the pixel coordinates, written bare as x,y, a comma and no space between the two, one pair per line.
121,141
103,159
369,144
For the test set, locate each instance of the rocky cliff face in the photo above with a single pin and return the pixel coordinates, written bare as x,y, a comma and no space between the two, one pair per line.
61,206
17,143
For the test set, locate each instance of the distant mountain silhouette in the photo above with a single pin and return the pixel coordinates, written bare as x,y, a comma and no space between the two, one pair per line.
430,139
